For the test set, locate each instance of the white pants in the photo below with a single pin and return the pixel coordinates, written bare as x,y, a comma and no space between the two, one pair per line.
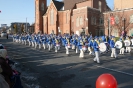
77,50
25,42
113,54
73,47
49,47
81,55
122,50
67,50
35,45
97,57
56,49
44,46
128,49
39,46
32,44
29,43
91,52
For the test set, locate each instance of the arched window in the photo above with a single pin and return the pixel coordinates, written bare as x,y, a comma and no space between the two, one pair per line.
81,21
77,22
52,17
100,4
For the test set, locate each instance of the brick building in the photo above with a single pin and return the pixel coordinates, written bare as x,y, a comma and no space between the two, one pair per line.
70,16
120,20
123,4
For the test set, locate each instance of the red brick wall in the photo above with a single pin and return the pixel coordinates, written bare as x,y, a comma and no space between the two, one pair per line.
39,15
83,4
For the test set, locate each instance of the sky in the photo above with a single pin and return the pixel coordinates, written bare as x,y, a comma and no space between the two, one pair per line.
19,10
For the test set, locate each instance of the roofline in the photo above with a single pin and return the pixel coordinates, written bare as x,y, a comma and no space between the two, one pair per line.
87,8
127,9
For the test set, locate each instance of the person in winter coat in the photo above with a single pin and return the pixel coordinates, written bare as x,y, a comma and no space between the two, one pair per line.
96,50
113,49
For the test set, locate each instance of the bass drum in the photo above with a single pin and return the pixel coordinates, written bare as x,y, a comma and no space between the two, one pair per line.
103,47
118,44
127,43
132,41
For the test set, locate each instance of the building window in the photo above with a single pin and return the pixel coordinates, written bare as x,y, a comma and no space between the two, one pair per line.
77,22
81,21
131,32
100,4
52,17
101,21
115,33
116,19
42,6
131,19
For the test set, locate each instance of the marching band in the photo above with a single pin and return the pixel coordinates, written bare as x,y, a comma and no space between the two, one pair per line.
81,44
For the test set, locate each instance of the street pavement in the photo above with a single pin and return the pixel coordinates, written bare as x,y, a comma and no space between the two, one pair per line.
43,69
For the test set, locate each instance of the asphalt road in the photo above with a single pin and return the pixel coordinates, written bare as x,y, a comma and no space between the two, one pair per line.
43,69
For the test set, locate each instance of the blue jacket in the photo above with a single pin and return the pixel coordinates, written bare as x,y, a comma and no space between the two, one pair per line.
112,44
95,46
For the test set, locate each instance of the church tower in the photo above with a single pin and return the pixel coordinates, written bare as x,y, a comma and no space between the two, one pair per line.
40,9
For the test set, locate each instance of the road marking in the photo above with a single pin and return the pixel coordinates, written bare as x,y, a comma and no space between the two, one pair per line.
129,74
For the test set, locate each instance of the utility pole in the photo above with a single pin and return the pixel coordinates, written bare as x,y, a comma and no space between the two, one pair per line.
26,24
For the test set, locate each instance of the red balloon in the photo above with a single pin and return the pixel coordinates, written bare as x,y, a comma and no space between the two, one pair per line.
106,81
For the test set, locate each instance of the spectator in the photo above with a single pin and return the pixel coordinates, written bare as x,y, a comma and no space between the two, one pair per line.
7,70
3,83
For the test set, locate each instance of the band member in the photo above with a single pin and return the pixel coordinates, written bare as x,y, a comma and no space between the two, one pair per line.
80,45
56,44
44,42
67,45
90,47
96,50
49,43
123,46
128,48
112,45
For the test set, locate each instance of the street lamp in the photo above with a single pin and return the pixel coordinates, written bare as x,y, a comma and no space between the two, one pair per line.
108,27
124,19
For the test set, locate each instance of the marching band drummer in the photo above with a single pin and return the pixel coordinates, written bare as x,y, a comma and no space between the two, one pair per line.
80,45
112,45
67,45
96,50
56,44
123,46
128,48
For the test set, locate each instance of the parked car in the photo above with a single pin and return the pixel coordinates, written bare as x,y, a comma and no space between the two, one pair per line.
3,34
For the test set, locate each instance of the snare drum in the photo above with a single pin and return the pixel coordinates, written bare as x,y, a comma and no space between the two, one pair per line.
84,48
132,41
57,45
118,44
103,46
69,46
127,43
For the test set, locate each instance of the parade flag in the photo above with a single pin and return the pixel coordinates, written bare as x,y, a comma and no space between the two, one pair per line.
112,20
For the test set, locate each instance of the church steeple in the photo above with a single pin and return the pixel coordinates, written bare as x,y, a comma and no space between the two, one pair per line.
40,9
